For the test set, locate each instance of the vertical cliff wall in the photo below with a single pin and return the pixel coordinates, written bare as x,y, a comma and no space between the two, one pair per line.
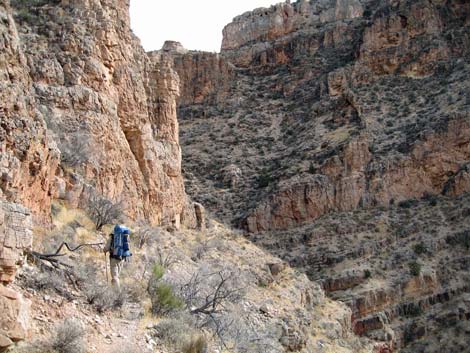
79,80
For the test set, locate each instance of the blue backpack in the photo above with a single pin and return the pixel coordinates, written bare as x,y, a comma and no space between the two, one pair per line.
120,244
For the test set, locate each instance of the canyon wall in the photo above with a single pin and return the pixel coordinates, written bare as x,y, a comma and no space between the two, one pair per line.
83,111
89,98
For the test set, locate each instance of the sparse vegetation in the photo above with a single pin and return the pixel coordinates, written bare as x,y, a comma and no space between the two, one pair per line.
163,296
460,239
104,297
196,344
68,337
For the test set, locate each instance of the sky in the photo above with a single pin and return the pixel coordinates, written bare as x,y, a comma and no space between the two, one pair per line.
197,24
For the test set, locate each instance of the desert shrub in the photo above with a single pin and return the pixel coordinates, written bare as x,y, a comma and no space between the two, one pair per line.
164,300
145,236
367,274
430,198
460,239
415,268
103,297
264,180
69,337
162,295
311,168
407,203
177,331
419,248
158,272
47,280
196,344
101,210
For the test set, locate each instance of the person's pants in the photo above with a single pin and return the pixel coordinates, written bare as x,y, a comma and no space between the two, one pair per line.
116,267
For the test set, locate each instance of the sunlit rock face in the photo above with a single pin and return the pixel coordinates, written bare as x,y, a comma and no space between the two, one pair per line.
80,90
337,105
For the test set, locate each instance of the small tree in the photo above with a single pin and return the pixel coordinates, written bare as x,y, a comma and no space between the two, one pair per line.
103,211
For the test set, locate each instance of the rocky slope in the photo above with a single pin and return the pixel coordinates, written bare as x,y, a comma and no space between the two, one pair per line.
403,271
358,111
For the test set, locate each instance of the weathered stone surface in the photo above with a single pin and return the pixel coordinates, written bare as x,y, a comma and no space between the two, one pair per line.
266,26
14,321
204,77
15,237
28,157
317,79
81,74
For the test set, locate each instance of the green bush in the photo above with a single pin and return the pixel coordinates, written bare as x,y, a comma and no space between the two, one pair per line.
264,179
367,274
408,203
311,168
158,272
164,300
415,268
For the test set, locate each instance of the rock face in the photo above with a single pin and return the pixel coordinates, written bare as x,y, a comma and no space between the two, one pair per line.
15,237
403,271
270,28
28,157
77,79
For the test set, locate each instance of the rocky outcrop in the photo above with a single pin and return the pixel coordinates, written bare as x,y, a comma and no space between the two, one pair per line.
15,238
338,105
204,77
258,36
364,259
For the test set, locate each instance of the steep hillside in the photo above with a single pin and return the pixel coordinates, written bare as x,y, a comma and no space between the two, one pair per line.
330,106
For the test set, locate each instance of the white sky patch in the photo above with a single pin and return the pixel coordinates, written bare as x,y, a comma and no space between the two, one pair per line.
196,24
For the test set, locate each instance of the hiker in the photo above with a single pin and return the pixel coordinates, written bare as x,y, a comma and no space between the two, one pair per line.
118,247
